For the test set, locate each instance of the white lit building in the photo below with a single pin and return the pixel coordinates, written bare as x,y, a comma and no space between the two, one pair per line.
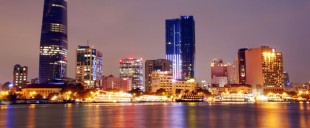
164,80
132,68
88,66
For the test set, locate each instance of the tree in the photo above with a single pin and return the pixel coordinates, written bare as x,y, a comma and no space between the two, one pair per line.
161,91
203,91
178,91
38,97
136,92
12,96
73,88
112,89
51,95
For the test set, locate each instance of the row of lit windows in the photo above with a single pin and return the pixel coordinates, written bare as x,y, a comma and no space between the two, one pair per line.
58,5
52,50
54,27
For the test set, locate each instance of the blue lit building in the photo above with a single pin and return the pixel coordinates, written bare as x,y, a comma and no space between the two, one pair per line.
180,46
53,43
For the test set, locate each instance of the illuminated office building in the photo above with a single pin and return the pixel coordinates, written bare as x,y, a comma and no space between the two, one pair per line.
155,65
180,46
53,43
264,68
88,66
132,68
20,75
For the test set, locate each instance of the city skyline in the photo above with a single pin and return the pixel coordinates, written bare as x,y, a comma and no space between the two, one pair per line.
218,35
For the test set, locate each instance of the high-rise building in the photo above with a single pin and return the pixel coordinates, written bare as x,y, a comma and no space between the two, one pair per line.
132,68
155,65
241,66
20,75
264,68
88,66
222,74
53,44
180,46
286,78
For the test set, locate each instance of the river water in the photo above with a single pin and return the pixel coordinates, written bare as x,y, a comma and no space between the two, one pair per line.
157,115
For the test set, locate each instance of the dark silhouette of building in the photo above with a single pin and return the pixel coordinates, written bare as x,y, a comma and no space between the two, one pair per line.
53,44
241,65
180,46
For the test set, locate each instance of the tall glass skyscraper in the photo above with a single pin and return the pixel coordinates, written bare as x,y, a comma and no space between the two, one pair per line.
53,44
180,46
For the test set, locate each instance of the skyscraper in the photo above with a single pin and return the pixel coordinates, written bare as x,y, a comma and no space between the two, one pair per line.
241,66
20,75
155,65
264,67
53,44
88,66
180,46
132,68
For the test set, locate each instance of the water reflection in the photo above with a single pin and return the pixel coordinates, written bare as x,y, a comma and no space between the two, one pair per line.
31,116
172,115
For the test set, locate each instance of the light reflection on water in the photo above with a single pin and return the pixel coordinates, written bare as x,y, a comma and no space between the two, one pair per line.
141,115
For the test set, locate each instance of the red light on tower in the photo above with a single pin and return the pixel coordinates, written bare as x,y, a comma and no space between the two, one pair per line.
130,58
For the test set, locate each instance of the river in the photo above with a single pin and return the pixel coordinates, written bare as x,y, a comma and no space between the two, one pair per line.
157,115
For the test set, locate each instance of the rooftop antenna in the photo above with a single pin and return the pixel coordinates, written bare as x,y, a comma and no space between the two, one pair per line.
87,42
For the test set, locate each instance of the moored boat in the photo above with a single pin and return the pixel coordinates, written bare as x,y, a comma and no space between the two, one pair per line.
190,98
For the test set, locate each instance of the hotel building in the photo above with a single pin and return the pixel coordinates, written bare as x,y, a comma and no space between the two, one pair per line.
264,68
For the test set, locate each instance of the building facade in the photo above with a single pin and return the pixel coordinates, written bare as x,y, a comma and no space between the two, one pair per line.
44,90
111,83
53,43
132,68
88,66
221,73
155,65
264,67
180,46
232,89
20,75
164,80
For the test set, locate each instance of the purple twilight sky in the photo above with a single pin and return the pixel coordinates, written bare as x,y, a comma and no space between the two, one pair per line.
136,28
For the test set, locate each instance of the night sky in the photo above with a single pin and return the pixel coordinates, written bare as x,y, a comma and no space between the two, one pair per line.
136,28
